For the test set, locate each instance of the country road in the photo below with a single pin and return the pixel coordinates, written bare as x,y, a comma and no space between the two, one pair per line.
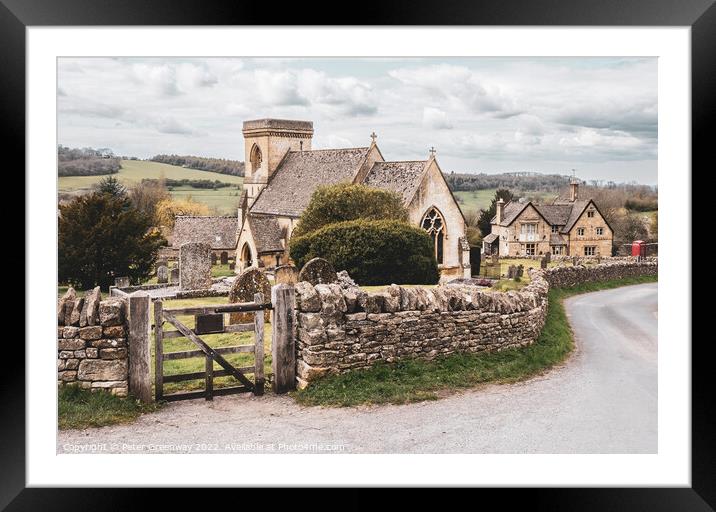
603,399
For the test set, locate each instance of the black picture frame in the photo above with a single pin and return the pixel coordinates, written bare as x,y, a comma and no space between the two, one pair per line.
700,15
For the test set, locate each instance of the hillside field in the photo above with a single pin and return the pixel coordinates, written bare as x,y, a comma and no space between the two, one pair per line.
224,200
480,199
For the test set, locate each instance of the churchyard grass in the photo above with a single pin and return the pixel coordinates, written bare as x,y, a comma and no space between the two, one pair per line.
81,408
416,380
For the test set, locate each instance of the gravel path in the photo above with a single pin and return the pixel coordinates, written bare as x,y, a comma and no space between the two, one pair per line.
602,400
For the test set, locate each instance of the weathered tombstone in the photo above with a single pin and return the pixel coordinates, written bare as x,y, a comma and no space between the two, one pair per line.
247,284
160,263
511,272
65,306
286,274
213,258
162,275
121,282
174,275
548,256
575,260
520,271
232,266
318,271
224,258
495,259
194,266
543,262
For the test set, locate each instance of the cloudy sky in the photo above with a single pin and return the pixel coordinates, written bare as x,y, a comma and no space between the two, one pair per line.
595,115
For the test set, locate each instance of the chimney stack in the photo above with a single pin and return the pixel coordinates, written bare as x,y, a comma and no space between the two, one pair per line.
500,210
573,190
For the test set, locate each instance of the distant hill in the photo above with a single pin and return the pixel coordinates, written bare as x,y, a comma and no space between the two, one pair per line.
524,181
200,163
86,161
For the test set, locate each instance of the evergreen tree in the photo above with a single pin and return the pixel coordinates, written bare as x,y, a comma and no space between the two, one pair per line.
487,215
102,236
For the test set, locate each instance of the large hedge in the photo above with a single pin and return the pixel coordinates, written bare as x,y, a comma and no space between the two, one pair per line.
343,202
374,252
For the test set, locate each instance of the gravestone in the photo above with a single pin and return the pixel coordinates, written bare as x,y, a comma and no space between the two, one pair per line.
495,259
286,274
174,275
162,275
520,271
232,266
160,263
224,258
250,282
575,260
511,272
213,258
194,266
318,271
121,282
548,256
543,262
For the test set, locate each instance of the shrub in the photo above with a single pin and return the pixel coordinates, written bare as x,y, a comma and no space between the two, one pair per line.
102,236
167,210
374,252
344,202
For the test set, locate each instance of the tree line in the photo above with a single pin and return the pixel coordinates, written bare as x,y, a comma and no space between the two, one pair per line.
200,163
86,161
203,184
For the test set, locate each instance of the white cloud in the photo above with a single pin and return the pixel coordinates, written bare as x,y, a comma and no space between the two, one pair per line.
481,114
436,119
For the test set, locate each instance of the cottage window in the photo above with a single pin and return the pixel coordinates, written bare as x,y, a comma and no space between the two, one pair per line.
580,231
530,249
434,224
555,229
557,250
600,231
590,250
590,213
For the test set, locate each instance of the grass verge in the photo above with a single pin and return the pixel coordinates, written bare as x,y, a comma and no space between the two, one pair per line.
81,408
416,380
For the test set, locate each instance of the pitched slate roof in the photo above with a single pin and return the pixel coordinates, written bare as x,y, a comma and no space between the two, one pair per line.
556,214
510,212
400,177
301,172
267,233
490,238
218,232
556,239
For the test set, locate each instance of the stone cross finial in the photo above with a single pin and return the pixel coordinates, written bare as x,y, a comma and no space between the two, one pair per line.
373,136
432,151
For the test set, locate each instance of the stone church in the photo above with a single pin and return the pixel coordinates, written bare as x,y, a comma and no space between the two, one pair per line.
283,171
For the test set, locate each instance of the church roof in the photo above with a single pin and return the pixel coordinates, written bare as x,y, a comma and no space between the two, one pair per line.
400,177
301,173
267,233
218,232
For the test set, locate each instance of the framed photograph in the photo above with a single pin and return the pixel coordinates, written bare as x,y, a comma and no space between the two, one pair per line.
419,250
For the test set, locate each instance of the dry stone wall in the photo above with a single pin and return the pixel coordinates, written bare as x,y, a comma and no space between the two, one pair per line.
341,328
92,348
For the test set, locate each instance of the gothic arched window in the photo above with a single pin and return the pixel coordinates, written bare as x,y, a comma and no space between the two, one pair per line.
255,158
434,224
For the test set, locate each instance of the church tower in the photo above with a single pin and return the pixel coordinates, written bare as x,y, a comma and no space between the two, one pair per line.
266,142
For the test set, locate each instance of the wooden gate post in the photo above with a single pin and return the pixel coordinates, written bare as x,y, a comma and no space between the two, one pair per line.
140,379
283,344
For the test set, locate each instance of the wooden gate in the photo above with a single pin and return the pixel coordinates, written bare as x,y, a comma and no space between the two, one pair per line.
210,320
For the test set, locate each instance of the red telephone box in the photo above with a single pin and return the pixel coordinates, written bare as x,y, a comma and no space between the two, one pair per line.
638,248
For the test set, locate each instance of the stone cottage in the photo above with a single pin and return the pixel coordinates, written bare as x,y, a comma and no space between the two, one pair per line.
569,227
218,232
283,171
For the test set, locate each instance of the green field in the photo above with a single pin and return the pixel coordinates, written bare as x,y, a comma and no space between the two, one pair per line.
224,201
477,200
